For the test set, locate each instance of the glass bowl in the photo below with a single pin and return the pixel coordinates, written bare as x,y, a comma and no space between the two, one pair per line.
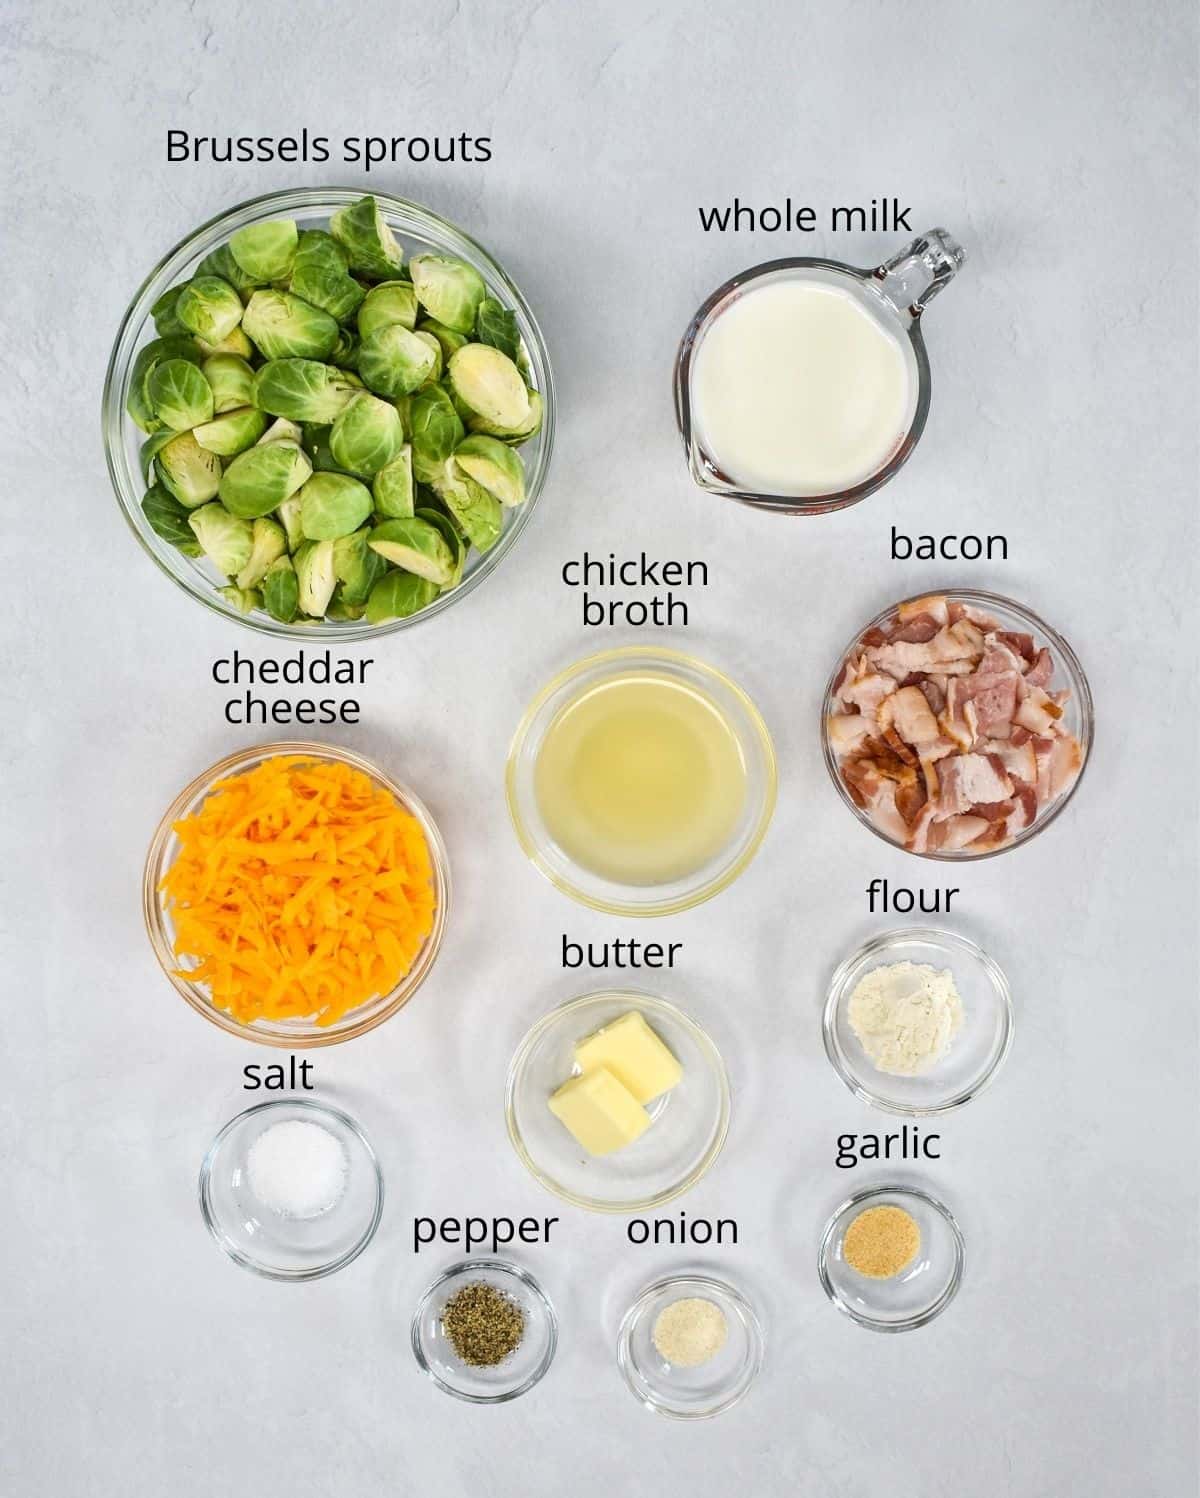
690,1393
288,1033
920,1291
689,1123
1078,717
419,229
977,1051
590,887
264,1240
523,1367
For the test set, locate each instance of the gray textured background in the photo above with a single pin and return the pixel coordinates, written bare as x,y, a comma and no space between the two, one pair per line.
1058,142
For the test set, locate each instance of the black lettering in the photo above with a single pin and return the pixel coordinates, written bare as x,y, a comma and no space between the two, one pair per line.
593,612
484,148
714,218
178,145
898,556
845,1151
638,1231
851,219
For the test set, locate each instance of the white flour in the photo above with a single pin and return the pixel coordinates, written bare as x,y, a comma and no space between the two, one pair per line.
906,1016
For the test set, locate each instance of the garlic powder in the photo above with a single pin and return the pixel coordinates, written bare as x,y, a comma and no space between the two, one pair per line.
906,1015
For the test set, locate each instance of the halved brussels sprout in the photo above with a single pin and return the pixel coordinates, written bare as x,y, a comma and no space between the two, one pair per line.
245,600
232,432
168,519
225,539
514,436
416,546
258,481
453,537
333,505
394,361
288,515
315,577
166,319
303,390
281,591
281,430
497,326
399,595
220,262
209,307
150,449
392,487
321,275
358,568
269,543
266,251
387,304
192,475
367,240
435,348
137,401
450,290
179,395
366,436
231,380
477,511
435,431
490,384
340,606
281,326
449,340
493,466
233,343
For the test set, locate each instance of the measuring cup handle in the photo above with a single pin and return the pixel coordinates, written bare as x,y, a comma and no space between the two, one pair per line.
913,277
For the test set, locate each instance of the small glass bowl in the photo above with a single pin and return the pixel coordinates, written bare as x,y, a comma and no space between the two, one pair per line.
690,1393
1078,717
263,1240
919,1292
977,1051
689,1123
523,1368
288,1033
589,888
419,229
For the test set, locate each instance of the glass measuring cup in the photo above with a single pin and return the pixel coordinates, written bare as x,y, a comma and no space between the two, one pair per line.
895,294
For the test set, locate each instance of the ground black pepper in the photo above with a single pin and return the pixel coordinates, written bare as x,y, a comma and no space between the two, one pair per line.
483,1324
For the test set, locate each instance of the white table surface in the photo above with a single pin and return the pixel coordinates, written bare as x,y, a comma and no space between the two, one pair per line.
1058,143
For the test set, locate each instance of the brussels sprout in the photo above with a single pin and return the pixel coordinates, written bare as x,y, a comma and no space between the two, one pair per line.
266,251
179,395
192,475
345,351
281,326
357,567
315,576
494,467
392,486
416,546
220,262
497,326
398,596
227,541
321,276
473,507
368,242
366,436
232,432
490,384
449,290
403,405
281,591
388,304
168,519
393,361
245,600
258,481
435,349
210,308
341,608
281,430
449,341
231,380
150,449
512,436
234,343
333,505
302,390
269,543
288,515
137,402
166,319
453,537
435,432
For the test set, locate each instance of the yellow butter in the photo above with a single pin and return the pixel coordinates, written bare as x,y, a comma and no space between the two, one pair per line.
602,1114
634,1054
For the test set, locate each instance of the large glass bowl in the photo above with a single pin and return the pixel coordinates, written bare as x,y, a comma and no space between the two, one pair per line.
288,1033
419,229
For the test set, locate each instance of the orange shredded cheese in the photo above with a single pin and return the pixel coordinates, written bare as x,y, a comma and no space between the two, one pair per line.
300,890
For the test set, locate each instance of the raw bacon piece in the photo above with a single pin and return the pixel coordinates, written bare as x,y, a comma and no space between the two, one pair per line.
970,780
1038,712
1042,670
847,731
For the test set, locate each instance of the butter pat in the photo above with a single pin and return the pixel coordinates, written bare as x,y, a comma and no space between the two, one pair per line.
602,1114
634,1054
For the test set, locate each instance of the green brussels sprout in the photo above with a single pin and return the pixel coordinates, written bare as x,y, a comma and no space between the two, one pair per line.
259,480
315,577
266,251
233,343
220,262
226,540
357,567
316,445
209,308
477,511
449,341
281,430
179,395
366,436
281,591
269,543
494,467
321,276
394,361
192,475
497,326
392,486
449,290
388,304
231,380
435,349
345,351
490,384
150,449
453,538
168,519
245,600
368,242
166,319
232,432
288,515
512,436
303,390
399,595
340,606
281,326
435,431
333,505
137,402
416,546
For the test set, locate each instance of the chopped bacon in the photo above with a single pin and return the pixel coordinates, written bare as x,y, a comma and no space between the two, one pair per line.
935,606
1041,670
847,731
1038,712
919,629
970,780
1022,644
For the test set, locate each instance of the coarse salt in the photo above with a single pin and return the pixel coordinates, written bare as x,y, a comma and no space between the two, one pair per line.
297,1168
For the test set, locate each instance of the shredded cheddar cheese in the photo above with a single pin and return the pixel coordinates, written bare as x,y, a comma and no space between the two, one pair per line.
300,890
